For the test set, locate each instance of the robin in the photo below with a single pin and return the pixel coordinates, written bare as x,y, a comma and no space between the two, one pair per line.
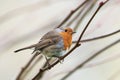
53,43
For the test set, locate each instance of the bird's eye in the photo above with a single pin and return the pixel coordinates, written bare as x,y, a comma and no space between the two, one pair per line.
66,30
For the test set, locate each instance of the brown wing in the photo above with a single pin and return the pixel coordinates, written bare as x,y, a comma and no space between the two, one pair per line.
48,39
50,35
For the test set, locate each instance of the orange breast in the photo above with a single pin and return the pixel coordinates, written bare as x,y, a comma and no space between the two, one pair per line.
67,38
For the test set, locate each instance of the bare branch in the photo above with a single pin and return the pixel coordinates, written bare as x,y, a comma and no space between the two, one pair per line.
86,11
90,58
99,37
82,12
100,5
26,66
70,14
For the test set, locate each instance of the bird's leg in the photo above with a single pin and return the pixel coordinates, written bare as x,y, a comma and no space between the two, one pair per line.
47,60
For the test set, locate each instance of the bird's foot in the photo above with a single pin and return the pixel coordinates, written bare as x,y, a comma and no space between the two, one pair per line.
48,64
60,58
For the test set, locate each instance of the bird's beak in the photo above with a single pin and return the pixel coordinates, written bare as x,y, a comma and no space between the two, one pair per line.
73,32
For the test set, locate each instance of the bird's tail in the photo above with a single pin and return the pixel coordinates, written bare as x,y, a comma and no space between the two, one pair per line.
32,46
20,49
37,45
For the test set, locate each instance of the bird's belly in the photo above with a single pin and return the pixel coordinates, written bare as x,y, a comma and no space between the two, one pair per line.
49,52
54,50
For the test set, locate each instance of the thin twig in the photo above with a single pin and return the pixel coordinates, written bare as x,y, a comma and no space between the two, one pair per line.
99,37
78,14
100,5
89,59
76,45
71,13
89,7
75,18
26,66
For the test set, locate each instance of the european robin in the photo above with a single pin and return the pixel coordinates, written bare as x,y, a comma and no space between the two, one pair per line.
53,43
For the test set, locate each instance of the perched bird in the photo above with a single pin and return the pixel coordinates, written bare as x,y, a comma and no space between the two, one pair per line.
53,43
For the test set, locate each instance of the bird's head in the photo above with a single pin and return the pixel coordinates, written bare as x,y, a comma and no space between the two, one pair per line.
69,31
67,37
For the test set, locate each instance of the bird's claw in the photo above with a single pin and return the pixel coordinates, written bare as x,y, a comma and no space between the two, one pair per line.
60,59
49,66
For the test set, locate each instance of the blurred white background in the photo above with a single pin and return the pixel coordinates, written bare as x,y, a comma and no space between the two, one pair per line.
23,22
